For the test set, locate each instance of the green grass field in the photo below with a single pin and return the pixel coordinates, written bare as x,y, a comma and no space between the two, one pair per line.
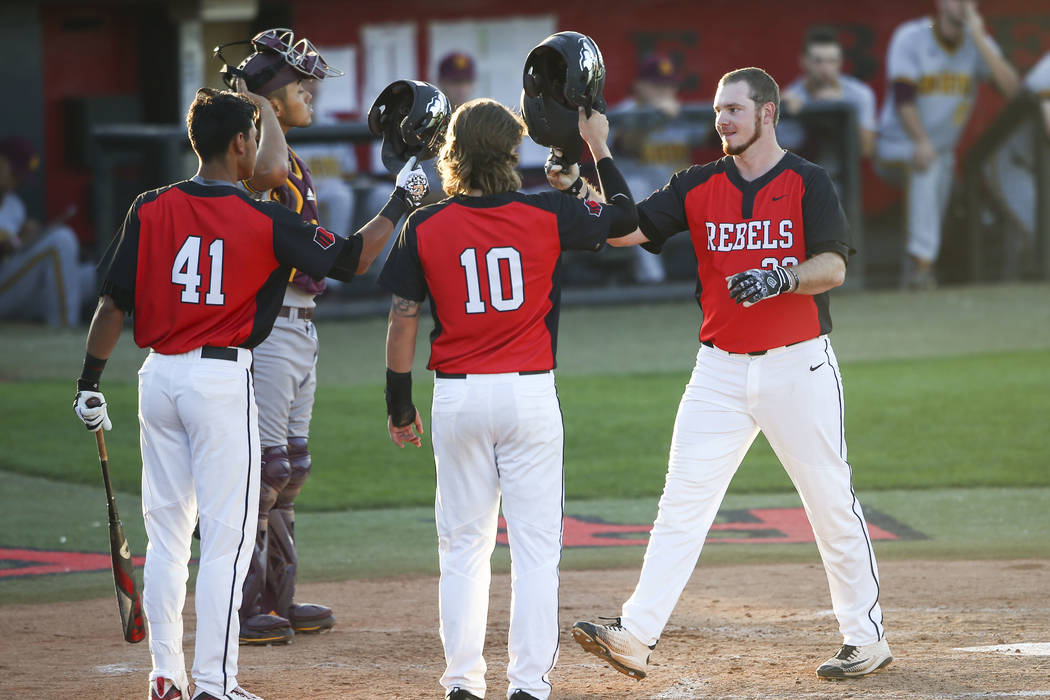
947,396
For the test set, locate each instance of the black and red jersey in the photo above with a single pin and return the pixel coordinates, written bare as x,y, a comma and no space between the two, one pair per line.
784,217
491,266
205,264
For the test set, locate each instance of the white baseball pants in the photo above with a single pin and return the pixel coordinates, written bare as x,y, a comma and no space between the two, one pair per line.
498,435
200,456
794,396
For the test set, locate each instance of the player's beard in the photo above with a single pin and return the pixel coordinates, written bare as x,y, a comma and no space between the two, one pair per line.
739,150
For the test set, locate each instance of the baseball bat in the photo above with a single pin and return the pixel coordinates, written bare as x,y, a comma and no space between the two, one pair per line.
128,601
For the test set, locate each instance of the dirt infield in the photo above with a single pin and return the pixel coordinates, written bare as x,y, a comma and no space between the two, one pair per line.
742,631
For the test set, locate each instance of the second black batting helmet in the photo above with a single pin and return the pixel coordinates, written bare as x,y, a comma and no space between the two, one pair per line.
564,72
412,117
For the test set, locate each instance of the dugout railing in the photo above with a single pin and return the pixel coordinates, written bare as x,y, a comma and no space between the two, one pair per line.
1024,111
131,158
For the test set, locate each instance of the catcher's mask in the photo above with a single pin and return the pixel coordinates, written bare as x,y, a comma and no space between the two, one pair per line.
564,72
276,60
412,117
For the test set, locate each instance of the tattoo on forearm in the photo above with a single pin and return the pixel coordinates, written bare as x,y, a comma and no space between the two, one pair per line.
405,307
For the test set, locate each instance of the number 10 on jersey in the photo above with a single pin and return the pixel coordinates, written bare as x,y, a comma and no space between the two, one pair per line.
498,262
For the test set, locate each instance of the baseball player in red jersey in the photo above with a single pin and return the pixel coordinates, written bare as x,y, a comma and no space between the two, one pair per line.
285,364
488,257
770,240
203,267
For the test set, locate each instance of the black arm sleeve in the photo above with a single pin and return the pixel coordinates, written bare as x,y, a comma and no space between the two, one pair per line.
662,214
119,265
826,227
618,196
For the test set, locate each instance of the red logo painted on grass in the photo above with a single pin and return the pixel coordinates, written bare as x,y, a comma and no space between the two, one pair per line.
37,562
758,525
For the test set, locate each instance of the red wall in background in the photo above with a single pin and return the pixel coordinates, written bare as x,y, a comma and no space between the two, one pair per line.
87,52
710,37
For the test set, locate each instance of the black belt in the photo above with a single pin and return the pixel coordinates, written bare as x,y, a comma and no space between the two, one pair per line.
305,313
756,353
210,352
454,375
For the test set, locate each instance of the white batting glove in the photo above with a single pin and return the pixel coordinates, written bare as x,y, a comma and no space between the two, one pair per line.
413,181
90,407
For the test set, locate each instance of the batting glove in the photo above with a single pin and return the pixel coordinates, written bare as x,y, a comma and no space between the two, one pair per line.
90,407
752,286
563,175
413,183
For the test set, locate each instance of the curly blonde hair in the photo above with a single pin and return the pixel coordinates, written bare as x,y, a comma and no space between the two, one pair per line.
480,151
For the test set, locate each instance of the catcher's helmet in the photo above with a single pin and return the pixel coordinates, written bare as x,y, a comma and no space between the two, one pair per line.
411,116
276,60
564,72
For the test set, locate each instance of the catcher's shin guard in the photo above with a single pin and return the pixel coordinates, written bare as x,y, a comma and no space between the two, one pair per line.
283,557
276,471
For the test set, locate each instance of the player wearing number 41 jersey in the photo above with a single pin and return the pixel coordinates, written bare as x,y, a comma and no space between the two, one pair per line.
489,259
203,268
770,240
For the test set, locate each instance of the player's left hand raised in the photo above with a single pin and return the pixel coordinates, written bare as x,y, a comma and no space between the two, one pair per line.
401,435
752,286
413,182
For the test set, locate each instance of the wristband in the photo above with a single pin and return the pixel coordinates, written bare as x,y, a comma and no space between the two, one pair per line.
91,374
574,188
397,206
795,275
399,398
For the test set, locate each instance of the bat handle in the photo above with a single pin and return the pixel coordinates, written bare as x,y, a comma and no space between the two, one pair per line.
101,440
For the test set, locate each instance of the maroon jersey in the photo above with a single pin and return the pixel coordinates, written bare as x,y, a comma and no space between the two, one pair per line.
297,193
491,266
784,217
204,264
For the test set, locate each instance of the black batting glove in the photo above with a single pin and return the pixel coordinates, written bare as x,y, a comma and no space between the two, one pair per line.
752,286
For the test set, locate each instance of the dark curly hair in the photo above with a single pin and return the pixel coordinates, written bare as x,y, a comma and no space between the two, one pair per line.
215,118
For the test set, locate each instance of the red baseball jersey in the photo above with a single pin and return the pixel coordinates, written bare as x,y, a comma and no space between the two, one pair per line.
491,266
205,264
784,217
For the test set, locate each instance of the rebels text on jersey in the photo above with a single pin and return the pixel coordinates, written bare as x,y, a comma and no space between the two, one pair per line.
204,264
782,218
491,266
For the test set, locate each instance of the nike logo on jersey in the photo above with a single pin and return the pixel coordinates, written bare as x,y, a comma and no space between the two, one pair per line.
780,197
814,368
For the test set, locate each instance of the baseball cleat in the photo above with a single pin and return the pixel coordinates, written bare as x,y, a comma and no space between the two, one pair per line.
265,629
237,693
458,693
161,688
522,695
853,661
310,617
621,649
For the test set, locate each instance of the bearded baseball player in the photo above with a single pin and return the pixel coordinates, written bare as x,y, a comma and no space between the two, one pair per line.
771,240
202,267
932,67
488,258
285,364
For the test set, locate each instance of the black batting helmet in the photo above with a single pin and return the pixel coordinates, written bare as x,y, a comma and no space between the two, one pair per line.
411,116
564,72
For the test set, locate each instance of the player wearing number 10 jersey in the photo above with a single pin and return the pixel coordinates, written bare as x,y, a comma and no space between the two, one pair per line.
489,259
203,268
